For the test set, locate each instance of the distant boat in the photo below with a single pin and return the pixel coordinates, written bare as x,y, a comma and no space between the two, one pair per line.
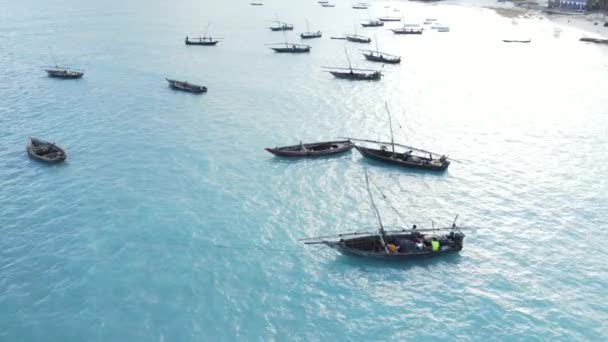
309,35
291,48
256,3
45,151
394,245
355,38
413,158
185,86
372,23
323,2
382,57
408,30
516,41
208,41
351,73
281,26
312,149
328,5
361,5
63,72
594,40
389,18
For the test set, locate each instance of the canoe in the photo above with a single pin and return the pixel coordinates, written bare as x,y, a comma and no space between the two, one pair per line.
312,149
45,151
405,159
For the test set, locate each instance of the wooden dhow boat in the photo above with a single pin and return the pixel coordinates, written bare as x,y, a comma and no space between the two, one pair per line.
312,149
409,157
281,26
394,245
290,48
408,30
516,41
328,5
351,73
381,57
204,41
63,72
355,38
309,34
361,5
185,86
45,151
372,23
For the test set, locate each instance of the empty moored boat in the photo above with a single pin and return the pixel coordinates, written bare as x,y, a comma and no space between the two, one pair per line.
291,48
45,151
382,57
517,41
372,23
205,41
408,30
185,86
394,245
355,38
63,72
312,149
281,26
309,34
351,73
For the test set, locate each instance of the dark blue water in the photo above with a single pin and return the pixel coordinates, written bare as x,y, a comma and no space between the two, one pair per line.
169,222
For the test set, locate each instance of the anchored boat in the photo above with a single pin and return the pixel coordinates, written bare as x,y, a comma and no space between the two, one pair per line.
185,86
410,157
63,72
351,73
312,149
396,245
309,35
355,38
45,151
281,26
382,57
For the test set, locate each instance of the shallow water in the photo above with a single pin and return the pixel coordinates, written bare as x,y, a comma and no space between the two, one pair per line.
170,222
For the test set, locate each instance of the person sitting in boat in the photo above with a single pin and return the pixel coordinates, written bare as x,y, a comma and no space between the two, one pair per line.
383,148
392,248
443,159
407,155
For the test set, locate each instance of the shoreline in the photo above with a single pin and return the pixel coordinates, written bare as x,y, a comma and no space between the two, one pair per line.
591,23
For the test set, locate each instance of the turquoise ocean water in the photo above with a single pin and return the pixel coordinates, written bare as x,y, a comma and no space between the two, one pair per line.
169,222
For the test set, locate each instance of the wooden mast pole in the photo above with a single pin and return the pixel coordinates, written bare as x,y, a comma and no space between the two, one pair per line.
390,123
381,229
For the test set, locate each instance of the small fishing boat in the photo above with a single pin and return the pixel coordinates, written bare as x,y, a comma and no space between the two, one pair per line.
312,149
328,5
63,72
291,48
185,86
394,245
516,41
323,2
351,73
309,35
45,151
408,30
355,38
389,18
411,157
361,5
382,57
205,41
256,3
281,26
594,40
372,23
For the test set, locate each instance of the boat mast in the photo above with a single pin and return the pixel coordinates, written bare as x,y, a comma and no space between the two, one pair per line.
348,59
381,229
390,123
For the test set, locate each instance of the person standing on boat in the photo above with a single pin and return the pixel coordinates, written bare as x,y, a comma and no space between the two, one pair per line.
435,245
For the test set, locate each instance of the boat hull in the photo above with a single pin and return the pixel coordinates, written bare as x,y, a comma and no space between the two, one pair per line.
45,151
415,162
291,50
407,31
64,75
187,87
376,76
212,43
313,149
381,59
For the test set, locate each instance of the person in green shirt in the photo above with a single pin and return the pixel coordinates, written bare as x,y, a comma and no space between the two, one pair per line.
435,245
